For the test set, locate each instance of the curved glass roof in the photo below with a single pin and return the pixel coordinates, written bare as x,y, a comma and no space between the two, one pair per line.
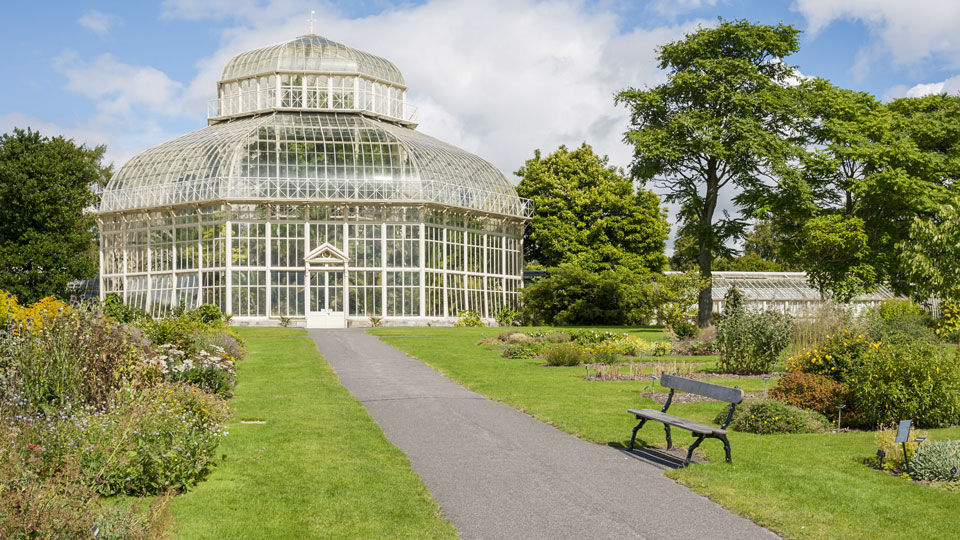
311,54
310,157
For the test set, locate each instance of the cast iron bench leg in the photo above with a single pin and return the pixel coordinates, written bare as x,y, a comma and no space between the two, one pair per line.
666,427
635,430
692,447
726,447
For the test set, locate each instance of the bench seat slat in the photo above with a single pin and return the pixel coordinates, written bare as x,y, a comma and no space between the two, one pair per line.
682,423
713,391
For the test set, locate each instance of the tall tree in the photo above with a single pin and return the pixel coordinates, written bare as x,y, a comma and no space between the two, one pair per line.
870,170
724,118
588,213
46,234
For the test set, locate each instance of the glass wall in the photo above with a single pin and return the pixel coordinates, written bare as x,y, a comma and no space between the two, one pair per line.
263,260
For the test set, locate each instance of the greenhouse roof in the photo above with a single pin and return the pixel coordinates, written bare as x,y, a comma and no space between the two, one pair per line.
311,54
310,157
780,286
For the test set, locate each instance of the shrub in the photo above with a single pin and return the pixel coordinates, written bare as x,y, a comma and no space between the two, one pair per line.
810,391
114,308
661,348
605,353
832,357
933,461
684,330
61,507
512,336
572,295
750,342
557,337
948,326
767,416
565,354
523,350
507,316
885,438
209,314
151,441
76,358
469,318
898,318
896,308
906,379
591,337
215,373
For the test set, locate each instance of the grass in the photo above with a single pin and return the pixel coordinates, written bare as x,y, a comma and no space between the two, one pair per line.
800,486
318,468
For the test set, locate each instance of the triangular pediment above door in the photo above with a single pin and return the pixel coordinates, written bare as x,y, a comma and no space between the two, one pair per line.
326,254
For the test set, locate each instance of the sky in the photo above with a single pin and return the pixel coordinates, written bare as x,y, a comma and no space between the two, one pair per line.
499,78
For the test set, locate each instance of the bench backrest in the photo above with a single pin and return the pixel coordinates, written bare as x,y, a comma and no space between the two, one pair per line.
713,391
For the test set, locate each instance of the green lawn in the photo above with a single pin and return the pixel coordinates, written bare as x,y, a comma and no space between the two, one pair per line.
319,468
801,486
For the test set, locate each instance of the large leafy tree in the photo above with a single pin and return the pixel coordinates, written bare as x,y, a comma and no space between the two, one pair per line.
589,214
46,233
930,254
871,169
725,118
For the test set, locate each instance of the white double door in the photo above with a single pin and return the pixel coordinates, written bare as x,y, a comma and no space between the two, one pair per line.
325,310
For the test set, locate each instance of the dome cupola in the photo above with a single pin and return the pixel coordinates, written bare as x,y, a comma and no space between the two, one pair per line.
311,73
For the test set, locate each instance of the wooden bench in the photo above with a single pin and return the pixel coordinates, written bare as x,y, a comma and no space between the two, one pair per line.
702,431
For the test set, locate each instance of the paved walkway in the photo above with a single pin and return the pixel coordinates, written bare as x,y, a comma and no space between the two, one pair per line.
499,474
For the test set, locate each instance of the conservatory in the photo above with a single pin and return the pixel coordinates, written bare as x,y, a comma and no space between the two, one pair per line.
311,199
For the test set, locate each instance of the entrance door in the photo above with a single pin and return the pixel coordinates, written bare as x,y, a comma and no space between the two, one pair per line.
326,299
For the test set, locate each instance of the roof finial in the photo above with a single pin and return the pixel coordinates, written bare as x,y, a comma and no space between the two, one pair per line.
311,19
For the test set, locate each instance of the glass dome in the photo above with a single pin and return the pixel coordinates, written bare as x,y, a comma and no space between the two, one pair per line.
311,54
311,158
311,73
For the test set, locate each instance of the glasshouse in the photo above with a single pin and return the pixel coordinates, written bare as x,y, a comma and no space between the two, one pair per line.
786,292
311,199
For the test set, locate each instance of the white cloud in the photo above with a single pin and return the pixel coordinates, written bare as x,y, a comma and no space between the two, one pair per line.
118,88
499,78
908,32
947,86
122,144
97,21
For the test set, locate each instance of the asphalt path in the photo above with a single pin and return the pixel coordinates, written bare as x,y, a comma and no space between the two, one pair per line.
498,473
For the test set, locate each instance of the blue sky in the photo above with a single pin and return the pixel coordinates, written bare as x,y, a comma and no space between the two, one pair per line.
497,77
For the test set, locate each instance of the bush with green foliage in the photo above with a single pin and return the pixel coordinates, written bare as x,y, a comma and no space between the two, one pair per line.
768,416
209,314
833,356
60,506
469,318
565,354
811,391
523,350
557,337
897,319
948,326
885,439
934,460
605,353
751,342
572,295
507,316
906,379
114,308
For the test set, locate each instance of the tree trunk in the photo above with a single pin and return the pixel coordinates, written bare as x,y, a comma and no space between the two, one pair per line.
705,299
706,238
